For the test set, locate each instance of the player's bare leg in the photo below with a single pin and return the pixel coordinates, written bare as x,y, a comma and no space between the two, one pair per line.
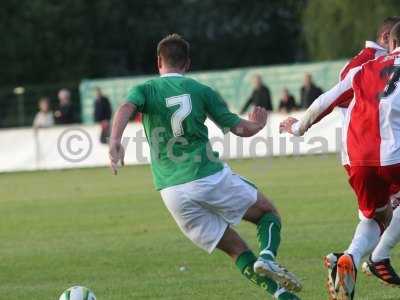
233,245
265,216
259,209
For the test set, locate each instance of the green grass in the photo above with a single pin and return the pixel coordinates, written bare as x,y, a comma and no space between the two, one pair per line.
114,235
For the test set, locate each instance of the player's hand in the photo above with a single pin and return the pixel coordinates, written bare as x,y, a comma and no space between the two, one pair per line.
286,125
259,115
116,154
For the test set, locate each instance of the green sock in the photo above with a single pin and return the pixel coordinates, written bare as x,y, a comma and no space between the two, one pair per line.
269,235
245,263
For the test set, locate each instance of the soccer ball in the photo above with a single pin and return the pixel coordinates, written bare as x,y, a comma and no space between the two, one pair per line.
77,293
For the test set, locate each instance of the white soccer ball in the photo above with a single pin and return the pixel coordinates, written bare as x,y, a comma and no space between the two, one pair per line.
77,293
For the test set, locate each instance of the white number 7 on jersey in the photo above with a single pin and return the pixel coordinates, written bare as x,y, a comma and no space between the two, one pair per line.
185,108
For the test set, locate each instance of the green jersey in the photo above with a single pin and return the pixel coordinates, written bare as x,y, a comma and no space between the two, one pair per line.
174,110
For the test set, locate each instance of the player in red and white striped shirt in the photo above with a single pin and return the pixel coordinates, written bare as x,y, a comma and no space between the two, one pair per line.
371,51
372,148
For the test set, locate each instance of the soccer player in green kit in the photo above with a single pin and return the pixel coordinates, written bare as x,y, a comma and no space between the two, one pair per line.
201,192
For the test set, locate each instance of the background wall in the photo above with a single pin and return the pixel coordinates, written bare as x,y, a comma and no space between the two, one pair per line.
78,146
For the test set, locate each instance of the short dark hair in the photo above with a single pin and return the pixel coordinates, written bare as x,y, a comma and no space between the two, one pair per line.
174,50
387,24
395,33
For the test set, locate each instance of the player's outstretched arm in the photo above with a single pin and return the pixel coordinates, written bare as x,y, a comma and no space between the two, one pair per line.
116,151
257,120
321,107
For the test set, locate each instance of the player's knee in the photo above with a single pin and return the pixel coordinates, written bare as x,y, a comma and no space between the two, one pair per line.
234,249
263,209
371,222
265,205
239,249
384,217
232,244
262,206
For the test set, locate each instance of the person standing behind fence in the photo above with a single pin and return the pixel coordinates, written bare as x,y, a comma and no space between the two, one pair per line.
287,103
44,117
65,112
261,95
102,114
309,91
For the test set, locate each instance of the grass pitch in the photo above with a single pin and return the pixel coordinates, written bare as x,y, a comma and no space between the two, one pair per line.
113,234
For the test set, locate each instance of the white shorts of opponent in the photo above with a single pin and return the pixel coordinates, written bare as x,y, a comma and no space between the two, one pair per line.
204,208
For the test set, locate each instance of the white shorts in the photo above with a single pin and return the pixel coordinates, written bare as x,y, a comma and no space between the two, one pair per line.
205,207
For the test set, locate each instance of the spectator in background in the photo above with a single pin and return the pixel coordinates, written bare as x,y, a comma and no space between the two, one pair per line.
260,96
287,103
309,92
44,117
65,112
102,114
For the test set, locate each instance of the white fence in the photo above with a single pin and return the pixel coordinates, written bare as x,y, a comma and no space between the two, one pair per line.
79,146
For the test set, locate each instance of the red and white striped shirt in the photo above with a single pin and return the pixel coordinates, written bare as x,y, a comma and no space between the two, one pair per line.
371,133
371,51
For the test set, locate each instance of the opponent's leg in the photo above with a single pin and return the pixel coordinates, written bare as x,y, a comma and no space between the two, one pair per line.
370,190
389,239
379,262
373,196
365,239
392,234
236,248
265,216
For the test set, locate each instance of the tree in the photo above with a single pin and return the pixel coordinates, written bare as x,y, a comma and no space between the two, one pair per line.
53,41
338,28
